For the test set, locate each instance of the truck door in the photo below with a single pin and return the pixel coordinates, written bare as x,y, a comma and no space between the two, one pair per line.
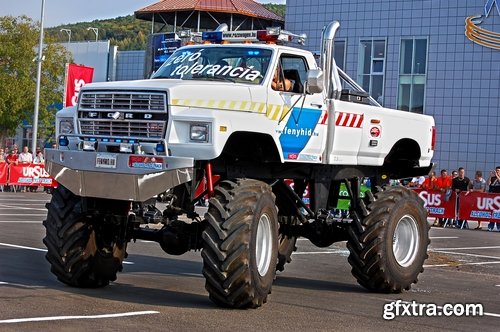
301,118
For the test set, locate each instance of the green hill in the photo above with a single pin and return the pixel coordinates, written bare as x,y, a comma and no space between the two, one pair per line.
127,32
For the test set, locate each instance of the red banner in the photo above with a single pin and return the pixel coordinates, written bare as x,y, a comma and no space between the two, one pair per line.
3,173
30,175
436,203
76,77
480,207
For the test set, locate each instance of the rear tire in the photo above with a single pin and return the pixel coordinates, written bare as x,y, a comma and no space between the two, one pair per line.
388,240
240,244
74,251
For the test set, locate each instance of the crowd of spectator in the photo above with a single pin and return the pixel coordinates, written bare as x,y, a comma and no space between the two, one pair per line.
457,182
13,157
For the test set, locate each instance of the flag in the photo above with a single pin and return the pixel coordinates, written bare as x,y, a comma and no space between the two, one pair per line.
76,77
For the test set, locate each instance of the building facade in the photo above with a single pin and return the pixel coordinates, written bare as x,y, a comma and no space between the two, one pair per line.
414,55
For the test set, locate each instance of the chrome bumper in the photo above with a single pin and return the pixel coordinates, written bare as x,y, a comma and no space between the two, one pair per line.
77,171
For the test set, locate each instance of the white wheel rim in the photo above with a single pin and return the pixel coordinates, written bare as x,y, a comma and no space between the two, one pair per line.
405,242
264,246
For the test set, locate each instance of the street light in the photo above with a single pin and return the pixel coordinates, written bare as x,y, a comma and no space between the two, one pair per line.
96,31
39,59
68,31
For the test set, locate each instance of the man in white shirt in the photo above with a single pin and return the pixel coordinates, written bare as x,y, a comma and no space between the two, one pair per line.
25,157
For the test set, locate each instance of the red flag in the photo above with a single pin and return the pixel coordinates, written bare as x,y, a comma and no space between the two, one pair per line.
76,77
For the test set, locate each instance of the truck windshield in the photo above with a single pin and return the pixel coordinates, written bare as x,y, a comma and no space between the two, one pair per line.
234,64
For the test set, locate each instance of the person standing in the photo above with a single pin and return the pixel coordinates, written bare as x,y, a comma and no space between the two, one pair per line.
494,187
478,185
443,183
25,157
430,183
460,184
12,160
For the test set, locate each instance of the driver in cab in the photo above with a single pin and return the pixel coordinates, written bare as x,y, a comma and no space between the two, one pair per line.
280,83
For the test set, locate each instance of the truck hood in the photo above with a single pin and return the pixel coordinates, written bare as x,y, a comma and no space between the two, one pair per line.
182,89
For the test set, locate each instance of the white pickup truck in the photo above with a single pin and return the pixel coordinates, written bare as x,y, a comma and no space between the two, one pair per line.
231,119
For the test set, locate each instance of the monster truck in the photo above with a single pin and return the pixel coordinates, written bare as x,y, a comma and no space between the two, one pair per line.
211,110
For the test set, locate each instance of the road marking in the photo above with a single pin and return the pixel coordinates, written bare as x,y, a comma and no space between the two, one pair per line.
51,318
24,200
460,264
4,206
17,204
464,254
25,214
443,237
333,251
19,285
21,221
22,247
43,250
467,248
497,285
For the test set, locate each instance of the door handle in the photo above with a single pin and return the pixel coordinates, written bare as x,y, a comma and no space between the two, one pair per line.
317,105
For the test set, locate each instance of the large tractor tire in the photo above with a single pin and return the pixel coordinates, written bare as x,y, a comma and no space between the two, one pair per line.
388,240
287,245
240,246
76,253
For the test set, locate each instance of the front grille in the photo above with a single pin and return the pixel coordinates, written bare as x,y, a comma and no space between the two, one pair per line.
132,101
123,114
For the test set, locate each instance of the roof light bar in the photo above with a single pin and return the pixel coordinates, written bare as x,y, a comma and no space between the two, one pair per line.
270,35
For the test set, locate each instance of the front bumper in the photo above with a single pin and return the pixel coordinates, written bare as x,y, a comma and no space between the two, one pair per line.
77,171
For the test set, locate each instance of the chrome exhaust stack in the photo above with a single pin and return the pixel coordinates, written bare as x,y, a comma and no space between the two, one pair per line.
333,86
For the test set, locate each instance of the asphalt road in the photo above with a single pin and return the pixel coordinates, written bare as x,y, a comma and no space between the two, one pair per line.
157,292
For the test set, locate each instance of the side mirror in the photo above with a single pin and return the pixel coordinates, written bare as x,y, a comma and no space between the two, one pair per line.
315,82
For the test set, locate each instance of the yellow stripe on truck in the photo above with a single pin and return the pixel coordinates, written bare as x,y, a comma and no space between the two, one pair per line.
273,111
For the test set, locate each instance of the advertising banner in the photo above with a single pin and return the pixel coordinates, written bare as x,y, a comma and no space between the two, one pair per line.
480,207
3,173
164,44
437,204
30,175
76,77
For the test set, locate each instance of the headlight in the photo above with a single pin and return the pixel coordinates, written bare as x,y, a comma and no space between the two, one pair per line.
66,126
199,133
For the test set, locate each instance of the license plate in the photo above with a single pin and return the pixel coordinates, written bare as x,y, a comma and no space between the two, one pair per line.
105,160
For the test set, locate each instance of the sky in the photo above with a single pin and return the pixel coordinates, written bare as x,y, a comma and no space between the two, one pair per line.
59,12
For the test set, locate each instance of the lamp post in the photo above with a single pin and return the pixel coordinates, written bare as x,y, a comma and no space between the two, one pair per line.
68,31
39,59
96,31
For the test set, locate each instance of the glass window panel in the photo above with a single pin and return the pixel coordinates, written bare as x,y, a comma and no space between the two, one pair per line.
377,86
420,56
404,97
418,79
339,53
366,56
366,83
417,99
378,66
406,56
379,49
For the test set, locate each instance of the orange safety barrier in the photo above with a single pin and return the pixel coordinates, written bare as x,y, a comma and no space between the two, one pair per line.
25,175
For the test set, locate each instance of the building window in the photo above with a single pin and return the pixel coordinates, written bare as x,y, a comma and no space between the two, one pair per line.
412,75
371,67
339,53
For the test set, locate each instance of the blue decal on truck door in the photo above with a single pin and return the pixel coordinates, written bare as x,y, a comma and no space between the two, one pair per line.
298,130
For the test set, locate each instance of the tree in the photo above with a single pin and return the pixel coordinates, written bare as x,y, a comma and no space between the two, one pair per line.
18,47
